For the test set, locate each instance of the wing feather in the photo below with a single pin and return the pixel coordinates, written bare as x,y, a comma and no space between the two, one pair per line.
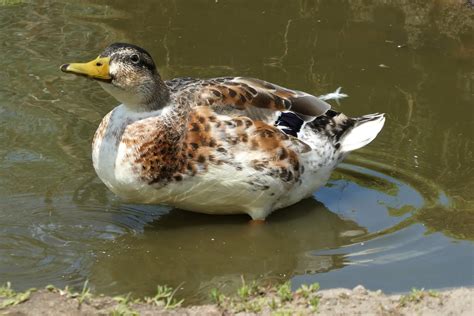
254,98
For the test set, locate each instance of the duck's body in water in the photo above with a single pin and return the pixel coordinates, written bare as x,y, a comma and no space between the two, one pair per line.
210,145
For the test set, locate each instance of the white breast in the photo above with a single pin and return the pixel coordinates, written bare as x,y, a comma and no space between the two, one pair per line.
108,152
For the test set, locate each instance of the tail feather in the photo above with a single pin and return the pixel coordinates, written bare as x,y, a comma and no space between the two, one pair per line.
349,133
364,130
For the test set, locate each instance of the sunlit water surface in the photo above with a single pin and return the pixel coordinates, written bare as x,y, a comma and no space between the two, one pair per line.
397,214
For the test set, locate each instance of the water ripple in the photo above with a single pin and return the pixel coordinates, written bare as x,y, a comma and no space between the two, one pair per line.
56,241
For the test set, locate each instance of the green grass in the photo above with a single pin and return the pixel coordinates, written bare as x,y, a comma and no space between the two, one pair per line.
9,297
278,299
249,297
85,293
308,293
306,290
216,296
247,290
82,296
243,292
416,295
284,292
123,307
314,302
165,297
6,290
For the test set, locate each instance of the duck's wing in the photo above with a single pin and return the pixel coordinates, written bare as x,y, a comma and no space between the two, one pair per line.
255,98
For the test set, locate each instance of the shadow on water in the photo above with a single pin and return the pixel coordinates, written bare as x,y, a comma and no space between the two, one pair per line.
206,251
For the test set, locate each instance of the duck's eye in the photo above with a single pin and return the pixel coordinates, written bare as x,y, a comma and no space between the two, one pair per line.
135,59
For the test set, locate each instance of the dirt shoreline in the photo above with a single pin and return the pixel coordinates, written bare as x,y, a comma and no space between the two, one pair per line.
249,300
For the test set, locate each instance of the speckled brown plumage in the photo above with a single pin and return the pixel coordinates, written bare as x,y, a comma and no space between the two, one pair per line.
212,141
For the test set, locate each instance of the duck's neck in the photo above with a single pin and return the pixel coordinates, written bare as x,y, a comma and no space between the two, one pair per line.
151,95
158,99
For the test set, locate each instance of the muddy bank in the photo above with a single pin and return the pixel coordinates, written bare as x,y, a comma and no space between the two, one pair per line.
249,300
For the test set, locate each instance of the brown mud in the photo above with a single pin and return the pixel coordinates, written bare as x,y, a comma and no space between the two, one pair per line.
270,301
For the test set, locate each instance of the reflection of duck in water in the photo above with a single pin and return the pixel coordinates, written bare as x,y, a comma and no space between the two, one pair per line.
209,145
210,251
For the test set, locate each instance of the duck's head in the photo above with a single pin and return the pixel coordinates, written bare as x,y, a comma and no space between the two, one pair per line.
128,73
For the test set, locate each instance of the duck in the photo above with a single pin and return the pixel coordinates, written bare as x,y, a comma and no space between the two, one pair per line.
226,145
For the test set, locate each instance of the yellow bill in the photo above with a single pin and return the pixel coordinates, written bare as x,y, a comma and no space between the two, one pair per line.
95,69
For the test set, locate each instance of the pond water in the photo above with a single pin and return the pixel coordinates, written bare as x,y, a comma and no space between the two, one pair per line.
397,214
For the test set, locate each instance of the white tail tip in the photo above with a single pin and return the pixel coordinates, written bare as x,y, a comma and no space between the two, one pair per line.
365,129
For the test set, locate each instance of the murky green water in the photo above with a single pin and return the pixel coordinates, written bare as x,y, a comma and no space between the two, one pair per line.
397,214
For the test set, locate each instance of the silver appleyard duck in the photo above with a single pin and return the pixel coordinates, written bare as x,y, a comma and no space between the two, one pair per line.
219,146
